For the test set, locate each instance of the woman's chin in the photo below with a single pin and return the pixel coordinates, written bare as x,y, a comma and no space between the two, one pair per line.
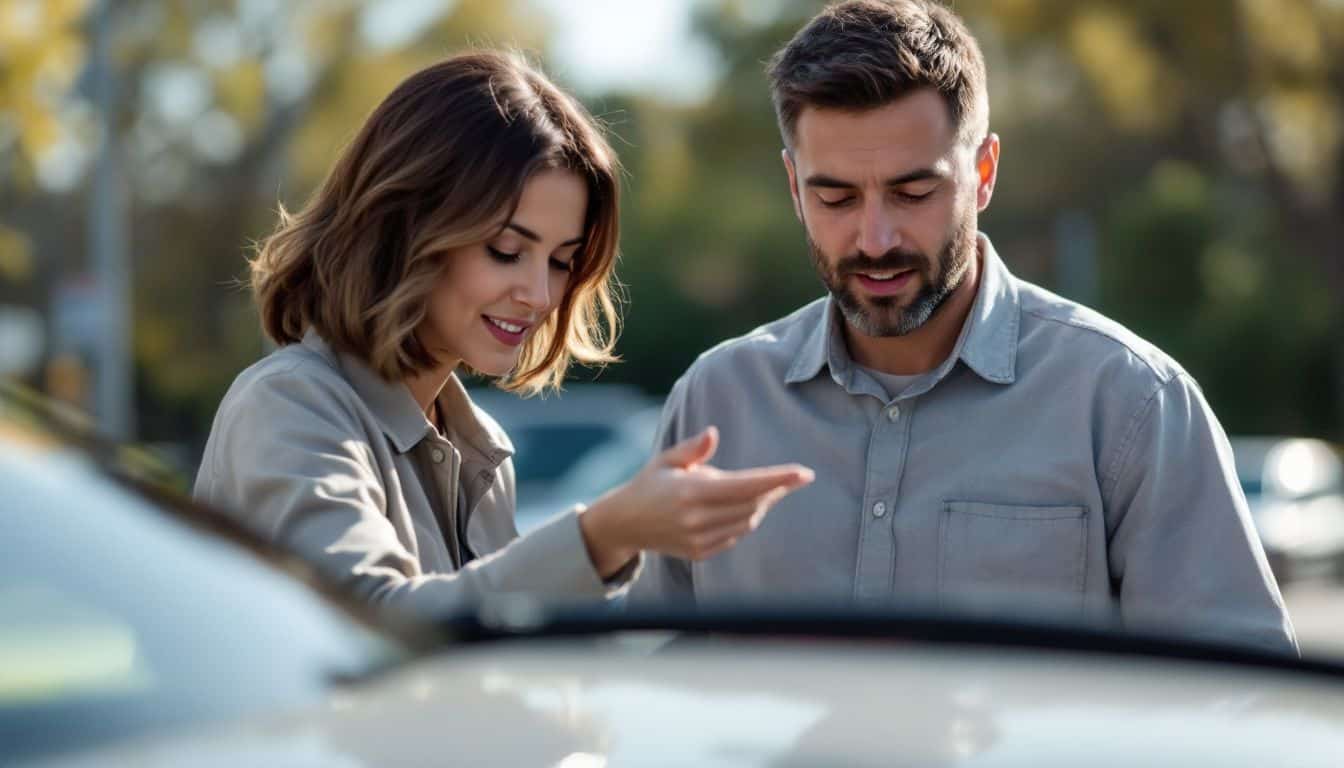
497,367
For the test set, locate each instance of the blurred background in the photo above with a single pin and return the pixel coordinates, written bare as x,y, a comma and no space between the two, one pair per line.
1177,166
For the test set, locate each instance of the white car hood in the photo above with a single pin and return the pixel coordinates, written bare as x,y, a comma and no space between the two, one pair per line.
752,703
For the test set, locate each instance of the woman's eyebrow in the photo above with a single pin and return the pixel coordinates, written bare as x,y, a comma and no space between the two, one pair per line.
534,237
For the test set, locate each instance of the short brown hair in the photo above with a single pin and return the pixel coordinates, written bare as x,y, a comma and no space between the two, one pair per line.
862,54
431,170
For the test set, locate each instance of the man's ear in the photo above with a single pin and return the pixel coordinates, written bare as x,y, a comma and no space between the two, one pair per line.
986,170
793,183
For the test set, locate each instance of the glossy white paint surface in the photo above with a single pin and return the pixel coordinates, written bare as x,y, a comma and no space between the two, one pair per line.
740,703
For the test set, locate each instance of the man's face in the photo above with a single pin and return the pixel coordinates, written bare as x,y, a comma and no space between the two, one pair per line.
890,203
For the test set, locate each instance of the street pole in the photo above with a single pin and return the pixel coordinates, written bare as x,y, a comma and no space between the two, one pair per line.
107,244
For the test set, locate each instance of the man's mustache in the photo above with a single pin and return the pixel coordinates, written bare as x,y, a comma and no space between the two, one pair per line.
893,260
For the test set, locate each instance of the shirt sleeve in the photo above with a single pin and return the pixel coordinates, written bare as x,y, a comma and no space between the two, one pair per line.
1183,551
290,461
666,579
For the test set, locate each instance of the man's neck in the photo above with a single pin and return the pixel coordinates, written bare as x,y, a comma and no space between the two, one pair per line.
929,345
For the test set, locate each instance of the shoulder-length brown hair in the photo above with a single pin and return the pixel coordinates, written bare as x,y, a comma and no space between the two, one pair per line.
441,164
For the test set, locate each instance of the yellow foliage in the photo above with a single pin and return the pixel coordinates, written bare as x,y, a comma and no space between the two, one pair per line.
39,129
669,160
241,91
1126,71
1286,33
1306,130
26,22
16,256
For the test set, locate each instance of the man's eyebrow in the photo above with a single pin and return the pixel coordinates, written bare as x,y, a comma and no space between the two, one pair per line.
830,182
534,237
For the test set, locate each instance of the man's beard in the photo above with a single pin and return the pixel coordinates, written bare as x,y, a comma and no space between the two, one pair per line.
881,315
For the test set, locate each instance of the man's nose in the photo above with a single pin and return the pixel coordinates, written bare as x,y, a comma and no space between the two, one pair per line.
877,229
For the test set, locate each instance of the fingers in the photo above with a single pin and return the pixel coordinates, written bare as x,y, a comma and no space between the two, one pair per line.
691,451
724,537
745,485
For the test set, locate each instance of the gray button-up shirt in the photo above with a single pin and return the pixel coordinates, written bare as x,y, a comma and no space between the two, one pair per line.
314,452
1054,455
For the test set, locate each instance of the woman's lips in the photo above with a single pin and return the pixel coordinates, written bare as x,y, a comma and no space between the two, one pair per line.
506,335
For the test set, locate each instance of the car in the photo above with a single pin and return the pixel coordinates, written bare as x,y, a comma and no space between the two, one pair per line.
599,469
1295,490
127,611
552,433
517,685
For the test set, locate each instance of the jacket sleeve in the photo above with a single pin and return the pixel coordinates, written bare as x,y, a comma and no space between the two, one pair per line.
1183,550
290,458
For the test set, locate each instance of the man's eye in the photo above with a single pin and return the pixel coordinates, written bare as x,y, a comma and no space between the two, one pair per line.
915,198
836,203
501,256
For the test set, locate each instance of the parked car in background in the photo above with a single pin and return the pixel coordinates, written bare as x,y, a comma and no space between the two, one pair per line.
598,470
566,442
1295,489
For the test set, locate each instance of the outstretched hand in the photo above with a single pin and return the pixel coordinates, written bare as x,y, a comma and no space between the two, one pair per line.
680,506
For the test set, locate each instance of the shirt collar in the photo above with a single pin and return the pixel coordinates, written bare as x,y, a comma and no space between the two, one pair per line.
990,346
400,416
823,346
987,344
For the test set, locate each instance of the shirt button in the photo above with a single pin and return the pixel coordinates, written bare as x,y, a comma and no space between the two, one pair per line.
879,509
893,412
436,455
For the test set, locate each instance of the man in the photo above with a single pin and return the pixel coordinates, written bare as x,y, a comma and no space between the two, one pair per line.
972,434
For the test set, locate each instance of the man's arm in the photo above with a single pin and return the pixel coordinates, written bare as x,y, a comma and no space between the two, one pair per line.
1182,548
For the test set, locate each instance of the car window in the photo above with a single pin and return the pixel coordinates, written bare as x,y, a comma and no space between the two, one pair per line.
543,452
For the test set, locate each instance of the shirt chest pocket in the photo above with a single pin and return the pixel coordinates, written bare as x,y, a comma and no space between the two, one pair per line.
1020,554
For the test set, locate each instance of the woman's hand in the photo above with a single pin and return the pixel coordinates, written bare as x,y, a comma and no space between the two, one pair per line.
679,506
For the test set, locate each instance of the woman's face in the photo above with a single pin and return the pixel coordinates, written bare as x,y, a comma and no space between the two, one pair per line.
490,296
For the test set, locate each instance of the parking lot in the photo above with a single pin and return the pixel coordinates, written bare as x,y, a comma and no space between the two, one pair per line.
1317,610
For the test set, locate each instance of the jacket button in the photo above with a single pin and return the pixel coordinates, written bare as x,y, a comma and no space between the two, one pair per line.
437,455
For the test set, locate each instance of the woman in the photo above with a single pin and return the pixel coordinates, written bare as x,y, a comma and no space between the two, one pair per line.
471,223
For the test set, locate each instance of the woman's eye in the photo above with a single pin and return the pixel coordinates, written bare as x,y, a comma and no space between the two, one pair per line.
501,256
562,266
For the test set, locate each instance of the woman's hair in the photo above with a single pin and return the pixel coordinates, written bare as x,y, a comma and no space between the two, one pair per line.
431,170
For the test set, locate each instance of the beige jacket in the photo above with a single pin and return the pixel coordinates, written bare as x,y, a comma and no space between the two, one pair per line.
316,453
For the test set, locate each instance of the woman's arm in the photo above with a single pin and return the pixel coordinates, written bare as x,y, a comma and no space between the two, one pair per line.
291,459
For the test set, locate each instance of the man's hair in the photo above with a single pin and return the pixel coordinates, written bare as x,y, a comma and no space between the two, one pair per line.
863,54
441,164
